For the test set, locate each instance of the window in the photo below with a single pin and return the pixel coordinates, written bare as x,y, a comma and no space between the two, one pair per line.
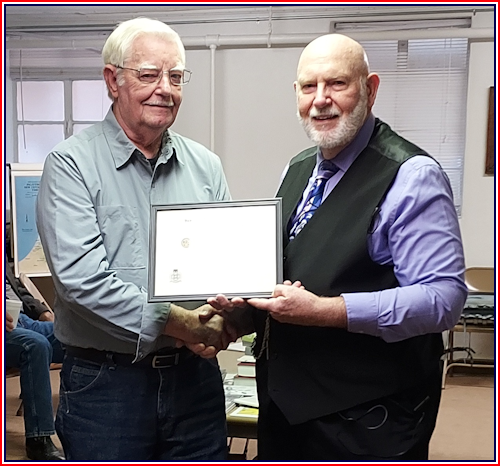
423,96
90,103
41,106
50,111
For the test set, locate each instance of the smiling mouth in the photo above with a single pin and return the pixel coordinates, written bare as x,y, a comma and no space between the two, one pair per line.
160,104
324,117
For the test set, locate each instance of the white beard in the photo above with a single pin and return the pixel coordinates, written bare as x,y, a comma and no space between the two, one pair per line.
344,132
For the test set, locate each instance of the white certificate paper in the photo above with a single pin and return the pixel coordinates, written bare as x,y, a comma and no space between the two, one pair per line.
201,250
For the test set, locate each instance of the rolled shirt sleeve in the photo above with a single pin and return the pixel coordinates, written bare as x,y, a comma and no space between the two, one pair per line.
418,233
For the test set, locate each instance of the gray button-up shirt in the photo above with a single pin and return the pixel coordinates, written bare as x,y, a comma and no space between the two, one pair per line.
93,212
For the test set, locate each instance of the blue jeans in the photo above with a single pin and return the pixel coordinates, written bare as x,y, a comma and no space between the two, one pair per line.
125,413
31,347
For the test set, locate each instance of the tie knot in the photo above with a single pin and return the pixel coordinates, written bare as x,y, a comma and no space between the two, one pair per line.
327,169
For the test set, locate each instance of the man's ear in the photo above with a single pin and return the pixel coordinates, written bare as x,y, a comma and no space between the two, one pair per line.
372,83
109,73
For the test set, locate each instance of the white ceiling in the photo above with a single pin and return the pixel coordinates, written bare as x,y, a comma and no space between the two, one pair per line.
71,18
80,30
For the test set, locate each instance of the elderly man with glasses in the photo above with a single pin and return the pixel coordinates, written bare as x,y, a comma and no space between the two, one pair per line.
129,390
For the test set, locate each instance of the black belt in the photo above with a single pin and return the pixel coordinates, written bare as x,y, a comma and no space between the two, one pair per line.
160,360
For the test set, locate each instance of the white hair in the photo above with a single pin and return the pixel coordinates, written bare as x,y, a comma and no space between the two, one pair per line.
118,45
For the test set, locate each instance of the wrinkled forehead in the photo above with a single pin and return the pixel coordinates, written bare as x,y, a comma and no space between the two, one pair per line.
148,48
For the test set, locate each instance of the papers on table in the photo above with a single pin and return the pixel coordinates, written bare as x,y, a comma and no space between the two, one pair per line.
236,346
251,401
237,395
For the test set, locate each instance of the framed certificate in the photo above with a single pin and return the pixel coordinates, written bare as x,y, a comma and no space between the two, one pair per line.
200,250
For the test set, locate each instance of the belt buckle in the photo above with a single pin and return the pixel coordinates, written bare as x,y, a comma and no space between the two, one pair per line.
165,360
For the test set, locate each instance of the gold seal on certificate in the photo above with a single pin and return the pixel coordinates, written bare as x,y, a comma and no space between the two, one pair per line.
190,260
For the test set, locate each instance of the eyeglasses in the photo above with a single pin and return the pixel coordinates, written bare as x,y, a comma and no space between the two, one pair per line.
154,75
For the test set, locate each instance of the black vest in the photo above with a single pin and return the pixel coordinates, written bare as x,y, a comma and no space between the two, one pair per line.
315,371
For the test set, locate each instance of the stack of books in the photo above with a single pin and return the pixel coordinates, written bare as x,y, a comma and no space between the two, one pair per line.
247,341
246,366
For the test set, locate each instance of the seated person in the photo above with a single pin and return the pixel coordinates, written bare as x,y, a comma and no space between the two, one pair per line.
31,347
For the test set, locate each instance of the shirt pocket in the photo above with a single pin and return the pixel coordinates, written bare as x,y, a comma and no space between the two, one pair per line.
121,235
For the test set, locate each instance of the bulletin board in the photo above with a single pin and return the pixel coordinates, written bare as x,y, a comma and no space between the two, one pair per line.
28,254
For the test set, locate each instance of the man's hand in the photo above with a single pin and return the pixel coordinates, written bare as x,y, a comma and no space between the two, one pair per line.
237,320
223,305
207,316
289,304
207,352
292,304
202,326
9,322
237,317
46,316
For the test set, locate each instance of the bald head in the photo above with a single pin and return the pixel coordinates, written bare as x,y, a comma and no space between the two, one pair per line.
335,91
336,48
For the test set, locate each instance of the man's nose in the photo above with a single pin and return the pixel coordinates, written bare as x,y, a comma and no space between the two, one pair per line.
164,85
322,97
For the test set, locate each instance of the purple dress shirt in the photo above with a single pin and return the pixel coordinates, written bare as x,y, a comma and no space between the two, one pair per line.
417,232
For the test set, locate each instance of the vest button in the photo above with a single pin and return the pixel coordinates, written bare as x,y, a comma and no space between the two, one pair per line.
274,356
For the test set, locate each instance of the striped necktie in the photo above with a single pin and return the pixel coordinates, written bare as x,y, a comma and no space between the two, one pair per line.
326,170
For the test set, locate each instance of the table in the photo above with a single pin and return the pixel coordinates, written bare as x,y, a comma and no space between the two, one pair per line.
241,427
478,316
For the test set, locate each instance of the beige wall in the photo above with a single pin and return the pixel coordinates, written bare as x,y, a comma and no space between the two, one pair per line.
478,214
477,222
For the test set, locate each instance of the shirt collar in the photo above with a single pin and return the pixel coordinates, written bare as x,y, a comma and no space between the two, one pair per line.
348,155
168,149
122,148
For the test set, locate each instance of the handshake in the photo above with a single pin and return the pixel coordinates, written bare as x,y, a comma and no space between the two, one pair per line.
211,327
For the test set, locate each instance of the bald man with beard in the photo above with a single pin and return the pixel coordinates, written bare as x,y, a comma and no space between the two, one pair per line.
348,348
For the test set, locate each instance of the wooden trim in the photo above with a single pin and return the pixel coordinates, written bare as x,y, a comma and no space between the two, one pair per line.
31,287
490,141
